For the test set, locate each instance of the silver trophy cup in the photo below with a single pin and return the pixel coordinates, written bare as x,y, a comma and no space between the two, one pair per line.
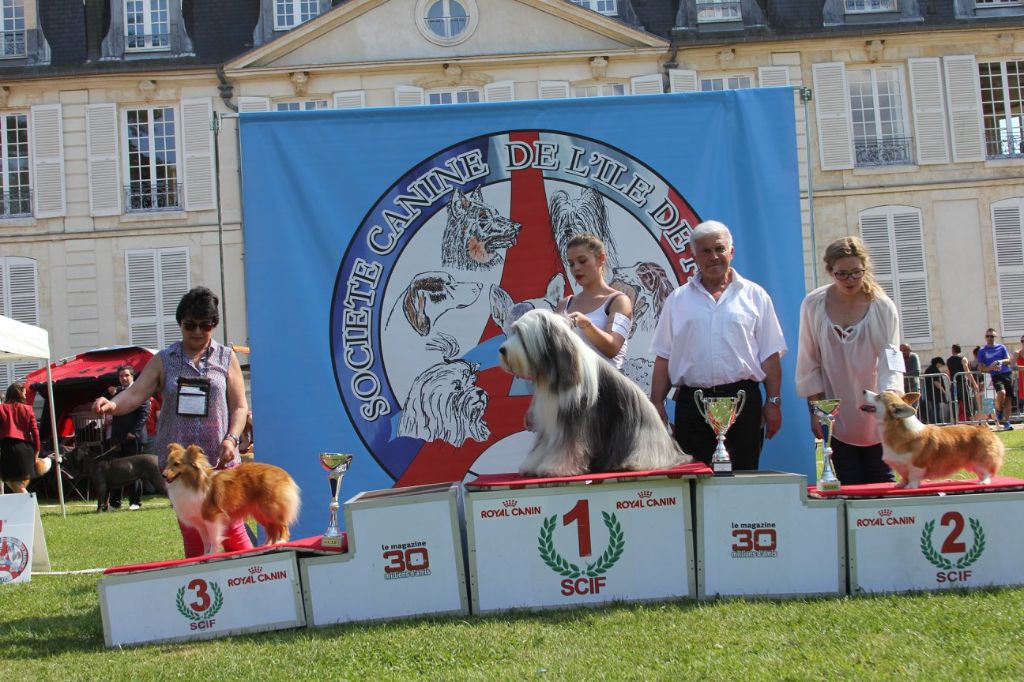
336,464
826,412
720,413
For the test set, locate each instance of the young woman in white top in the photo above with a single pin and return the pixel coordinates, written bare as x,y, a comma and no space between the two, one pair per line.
849,340
602,316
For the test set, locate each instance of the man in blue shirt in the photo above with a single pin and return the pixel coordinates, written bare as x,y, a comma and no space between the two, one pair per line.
994,358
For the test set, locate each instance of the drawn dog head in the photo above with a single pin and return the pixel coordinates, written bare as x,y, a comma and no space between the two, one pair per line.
504,311
430,295
647,286
585,213
475,232
444,402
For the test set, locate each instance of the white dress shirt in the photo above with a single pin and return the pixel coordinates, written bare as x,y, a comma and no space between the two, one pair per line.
708,342
842,363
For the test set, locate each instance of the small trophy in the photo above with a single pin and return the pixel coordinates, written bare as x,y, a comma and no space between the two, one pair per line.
337,464
826,411
720,413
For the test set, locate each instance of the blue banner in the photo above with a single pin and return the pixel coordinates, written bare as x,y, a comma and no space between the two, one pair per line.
386,247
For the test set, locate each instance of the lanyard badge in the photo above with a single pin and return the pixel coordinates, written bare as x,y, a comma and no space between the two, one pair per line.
193,396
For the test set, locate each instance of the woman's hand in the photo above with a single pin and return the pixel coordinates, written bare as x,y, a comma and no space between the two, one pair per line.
580,320
226,454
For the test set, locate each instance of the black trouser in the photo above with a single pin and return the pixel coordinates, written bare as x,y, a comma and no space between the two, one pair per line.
856,464
743,440
129,447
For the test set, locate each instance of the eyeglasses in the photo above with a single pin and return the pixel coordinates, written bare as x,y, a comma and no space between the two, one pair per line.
852,274
990,336
191,325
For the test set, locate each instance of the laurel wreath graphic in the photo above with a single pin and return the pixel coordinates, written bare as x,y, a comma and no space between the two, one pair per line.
972,555
562,566
183,609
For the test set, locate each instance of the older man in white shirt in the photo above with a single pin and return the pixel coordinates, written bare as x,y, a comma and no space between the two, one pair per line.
719,333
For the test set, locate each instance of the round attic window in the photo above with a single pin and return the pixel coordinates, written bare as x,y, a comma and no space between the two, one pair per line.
446,22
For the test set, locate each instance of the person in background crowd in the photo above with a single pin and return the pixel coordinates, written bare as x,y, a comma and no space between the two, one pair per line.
19,439
994,358
848,335
934,394
912,363
965,386
719,333
1018,362
128,432
210,375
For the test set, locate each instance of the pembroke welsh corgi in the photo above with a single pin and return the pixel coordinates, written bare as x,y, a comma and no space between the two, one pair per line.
917,451
210,501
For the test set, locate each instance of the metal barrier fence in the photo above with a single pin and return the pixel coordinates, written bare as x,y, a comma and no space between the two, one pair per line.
936,403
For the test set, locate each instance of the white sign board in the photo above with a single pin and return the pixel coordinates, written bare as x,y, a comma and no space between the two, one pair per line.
580,544
404,558
935,543
22,545
250,593
758,534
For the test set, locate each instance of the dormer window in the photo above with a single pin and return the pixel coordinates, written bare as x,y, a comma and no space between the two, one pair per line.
865,6
290,13
12,15
603,6
715,10
147,25
998,3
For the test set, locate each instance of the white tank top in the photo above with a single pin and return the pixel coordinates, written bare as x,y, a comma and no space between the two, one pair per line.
599,317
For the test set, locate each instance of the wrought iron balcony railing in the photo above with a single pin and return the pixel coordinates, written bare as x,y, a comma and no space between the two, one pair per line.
153,196
16,203
885,151
718,11
1003,145
12,44
147,41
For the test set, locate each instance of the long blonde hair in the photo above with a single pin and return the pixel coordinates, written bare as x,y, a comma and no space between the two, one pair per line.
846,247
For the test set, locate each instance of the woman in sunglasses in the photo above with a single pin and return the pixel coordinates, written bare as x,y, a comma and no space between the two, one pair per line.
849,341
203,398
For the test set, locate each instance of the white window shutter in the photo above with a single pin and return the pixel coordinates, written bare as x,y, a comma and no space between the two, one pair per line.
929,111
350,99
874,232
104,165
253,105
552,89
500,91
683,80
408,95
963,95
832,111
19,300
650,84
772,76
197,136
47,149
1008,236
174,283
141,282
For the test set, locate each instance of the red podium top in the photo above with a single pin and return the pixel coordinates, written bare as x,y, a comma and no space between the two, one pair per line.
514,481
304,546
948,487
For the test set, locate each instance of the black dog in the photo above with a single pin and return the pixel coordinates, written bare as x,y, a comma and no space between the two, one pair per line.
108,474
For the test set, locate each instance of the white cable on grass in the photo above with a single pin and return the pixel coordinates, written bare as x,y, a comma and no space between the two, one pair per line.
78,572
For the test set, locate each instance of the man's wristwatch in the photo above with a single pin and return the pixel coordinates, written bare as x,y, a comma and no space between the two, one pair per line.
233,437
774,400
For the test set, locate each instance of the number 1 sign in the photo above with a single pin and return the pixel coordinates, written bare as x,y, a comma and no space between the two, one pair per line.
541,547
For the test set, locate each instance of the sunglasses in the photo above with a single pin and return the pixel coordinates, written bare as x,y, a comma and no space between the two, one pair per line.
853,274
191,325
990,336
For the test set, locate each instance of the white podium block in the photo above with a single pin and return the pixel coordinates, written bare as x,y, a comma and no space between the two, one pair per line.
22,543
216,598
935,543
759,535
404,558
574,544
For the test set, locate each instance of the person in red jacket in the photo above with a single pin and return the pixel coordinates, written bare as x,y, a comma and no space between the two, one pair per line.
19,439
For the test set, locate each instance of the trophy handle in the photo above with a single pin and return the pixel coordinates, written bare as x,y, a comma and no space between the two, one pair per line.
741,397
698,397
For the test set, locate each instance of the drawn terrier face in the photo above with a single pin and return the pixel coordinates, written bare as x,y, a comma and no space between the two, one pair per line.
482,231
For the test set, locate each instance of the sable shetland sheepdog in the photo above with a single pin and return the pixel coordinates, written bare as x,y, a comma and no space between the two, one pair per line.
916,451
210,501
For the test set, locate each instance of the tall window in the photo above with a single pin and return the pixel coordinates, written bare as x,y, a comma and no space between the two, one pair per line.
17,198
156,281
717,83
147,25
19,300
718,10
603,6
453,96
1002,101
601,90
853,6
308,105
879,128
12,18
290,13
153,182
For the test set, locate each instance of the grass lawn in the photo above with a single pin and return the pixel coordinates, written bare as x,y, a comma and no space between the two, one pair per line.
50,628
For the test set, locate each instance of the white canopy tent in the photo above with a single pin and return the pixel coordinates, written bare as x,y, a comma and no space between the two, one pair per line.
19,341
